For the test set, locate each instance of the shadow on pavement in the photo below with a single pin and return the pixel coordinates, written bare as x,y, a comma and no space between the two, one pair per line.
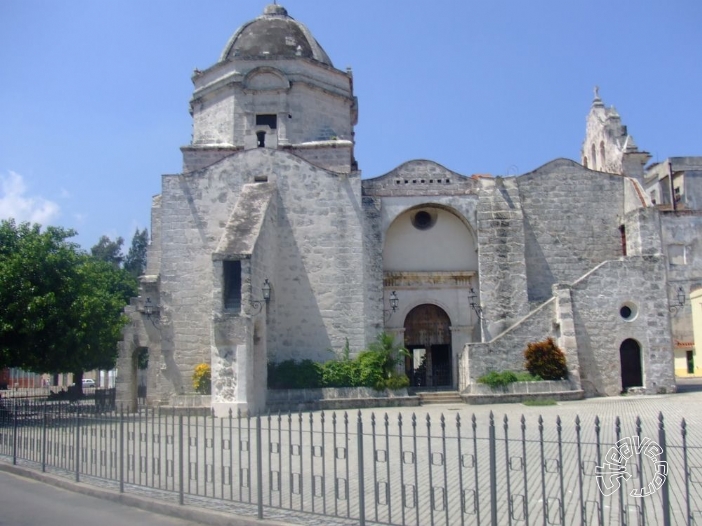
689,385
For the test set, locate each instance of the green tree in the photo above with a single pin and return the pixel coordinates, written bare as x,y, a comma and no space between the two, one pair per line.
135,262
60,309
108,250
37,282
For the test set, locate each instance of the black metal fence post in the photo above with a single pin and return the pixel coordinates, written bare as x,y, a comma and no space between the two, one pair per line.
77,444
664,457
181,498
493,471
683,432
43,440
361,481
121,449
259,467
14,435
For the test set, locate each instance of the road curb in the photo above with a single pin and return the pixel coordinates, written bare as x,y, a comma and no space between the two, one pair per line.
214,518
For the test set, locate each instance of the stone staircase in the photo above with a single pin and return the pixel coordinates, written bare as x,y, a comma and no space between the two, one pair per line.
439,397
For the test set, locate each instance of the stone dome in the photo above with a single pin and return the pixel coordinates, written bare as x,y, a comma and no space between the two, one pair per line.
274,34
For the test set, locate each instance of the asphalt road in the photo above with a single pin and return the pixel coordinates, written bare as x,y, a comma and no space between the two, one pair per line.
24,502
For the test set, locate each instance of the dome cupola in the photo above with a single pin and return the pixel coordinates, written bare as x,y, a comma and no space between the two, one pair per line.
274,34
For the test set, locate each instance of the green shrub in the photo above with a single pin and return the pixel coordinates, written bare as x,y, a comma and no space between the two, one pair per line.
374,367
546,360
397,381
370,369
498,379
525,376
339,373
290,374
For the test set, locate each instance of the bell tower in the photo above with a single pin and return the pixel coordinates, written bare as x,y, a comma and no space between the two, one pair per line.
608,147
273,87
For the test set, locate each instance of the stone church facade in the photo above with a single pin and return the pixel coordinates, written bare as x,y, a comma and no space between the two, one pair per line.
269,246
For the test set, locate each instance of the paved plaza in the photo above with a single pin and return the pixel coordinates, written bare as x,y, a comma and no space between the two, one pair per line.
414,470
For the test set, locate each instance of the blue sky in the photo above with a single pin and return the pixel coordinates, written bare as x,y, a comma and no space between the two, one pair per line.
95,93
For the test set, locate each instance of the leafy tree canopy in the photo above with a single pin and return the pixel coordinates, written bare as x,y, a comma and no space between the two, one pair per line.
135,262
60,309
108,250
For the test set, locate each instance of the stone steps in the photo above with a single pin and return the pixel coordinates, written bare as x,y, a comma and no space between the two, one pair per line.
440,397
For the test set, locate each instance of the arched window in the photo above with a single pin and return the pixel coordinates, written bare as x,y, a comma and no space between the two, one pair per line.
593,157
585,161
602,155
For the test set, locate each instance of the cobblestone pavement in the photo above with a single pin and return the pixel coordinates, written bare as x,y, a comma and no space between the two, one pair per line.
412,474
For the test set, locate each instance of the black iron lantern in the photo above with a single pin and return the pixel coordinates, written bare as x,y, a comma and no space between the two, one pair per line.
266,288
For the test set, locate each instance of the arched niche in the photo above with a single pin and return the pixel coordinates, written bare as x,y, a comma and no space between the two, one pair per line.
630,357
429,238
265,79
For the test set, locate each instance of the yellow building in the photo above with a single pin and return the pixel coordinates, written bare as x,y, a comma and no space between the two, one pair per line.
686,363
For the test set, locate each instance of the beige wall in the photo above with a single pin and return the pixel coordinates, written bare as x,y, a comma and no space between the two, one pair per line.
681,354
447,246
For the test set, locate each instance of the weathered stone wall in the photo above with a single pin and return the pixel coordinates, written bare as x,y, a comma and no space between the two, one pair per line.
680,232
420,178
600,329
195,208
213,119
198,157
319,281
506,351
153,251
373,265
318,291
502,268
571,223
318,115
643,232
330,155
313,102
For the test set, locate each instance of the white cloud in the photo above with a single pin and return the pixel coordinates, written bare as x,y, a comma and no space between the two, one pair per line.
15,203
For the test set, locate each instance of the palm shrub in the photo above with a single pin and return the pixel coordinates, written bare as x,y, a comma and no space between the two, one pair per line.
546,360
388,356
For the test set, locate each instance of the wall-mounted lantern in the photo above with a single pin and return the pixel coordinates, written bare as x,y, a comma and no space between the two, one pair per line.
266,291
680,297
152,312
472,300
394,302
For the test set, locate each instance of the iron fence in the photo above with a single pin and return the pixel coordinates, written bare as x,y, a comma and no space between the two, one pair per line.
376,469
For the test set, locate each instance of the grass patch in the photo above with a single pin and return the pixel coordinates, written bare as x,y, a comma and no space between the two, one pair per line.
546,401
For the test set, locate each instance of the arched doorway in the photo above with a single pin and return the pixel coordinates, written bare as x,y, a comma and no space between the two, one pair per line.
428,338
630,358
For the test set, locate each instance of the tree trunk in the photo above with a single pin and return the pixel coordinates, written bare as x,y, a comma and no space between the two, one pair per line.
78,383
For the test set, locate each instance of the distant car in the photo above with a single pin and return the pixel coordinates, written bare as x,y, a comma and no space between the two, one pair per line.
88,382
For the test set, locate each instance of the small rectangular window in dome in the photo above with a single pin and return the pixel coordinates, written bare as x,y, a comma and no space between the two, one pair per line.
267,119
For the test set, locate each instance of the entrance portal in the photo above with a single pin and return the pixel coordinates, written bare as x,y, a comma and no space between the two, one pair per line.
428,338
630,357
